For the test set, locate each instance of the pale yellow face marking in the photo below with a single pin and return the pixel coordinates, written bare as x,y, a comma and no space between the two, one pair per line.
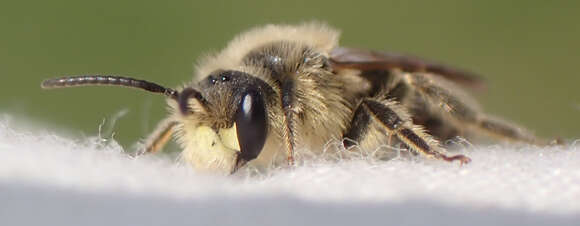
210,151
229,137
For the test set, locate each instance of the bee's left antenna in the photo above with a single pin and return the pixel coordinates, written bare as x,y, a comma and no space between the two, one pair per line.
104,80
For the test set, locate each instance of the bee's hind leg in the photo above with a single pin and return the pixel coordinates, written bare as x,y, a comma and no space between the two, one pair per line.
456,109
392,120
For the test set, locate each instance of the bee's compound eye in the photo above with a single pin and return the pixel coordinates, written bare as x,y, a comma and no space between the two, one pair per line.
251,125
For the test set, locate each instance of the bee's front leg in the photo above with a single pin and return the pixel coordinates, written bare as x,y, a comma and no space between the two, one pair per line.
159,137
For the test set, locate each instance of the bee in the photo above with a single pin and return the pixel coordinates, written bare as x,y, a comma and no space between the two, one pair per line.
282,88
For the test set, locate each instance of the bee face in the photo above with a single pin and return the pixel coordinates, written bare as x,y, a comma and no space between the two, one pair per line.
228,119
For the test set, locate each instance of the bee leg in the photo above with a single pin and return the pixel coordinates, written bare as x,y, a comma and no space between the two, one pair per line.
160,136
392,118
507,131
287,89
460,113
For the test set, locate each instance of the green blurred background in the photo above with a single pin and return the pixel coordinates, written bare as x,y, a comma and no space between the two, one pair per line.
528,51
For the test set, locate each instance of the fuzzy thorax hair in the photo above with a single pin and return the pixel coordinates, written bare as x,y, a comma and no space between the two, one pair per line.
317,35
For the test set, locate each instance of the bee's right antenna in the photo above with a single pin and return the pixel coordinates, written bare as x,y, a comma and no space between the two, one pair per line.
96,80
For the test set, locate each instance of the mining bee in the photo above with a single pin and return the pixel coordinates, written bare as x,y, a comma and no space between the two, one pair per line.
282,88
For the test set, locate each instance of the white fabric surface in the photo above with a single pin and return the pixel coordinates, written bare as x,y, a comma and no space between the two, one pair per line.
46,179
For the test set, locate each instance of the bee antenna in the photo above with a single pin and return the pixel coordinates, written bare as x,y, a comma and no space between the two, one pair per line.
185,95
104,80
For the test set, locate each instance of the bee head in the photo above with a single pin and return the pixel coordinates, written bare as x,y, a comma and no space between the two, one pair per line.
224,120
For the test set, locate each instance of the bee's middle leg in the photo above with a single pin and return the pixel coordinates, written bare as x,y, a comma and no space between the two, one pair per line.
394,119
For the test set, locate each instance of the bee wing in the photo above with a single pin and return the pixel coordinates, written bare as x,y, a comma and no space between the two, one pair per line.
366,60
